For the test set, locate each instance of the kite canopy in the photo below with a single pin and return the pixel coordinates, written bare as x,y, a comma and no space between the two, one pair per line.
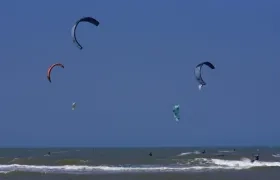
50,70
198,71
73,32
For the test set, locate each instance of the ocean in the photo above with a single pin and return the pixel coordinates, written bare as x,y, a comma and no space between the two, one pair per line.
138,163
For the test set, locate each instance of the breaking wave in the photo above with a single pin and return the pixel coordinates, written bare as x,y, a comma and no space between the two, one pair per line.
202,164
188,153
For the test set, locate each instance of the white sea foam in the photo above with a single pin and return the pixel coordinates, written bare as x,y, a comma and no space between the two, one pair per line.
204,165
189,153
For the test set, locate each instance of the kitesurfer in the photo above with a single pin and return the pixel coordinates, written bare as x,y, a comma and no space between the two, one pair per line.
256,157
176,112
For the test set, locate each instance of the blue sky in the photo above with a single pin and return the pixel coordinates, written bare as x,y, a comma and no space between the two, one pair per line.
134,67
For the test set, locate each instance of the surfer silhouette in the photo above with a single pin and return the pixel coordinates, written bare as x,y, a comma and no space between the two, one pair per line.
256,157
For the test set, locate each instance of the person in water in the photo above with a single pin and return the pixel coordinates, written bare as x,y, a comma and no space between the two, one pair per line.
151,154
203,152
256,158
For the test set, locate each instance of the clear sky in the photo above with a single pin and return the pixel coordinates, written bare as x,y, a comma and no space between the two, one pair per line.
134,67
